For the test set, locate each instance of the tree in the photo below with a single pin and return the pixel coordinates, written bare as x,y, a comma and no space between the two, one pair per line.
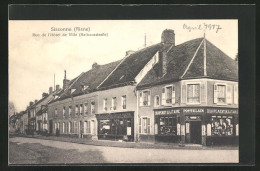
11,108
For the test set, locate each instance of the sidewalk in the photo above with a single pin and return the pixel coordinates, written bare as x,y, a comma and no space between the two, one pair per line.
123,144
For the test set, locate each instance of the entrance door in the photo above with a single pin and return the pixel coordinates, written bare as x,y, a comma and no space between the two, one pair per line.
195,132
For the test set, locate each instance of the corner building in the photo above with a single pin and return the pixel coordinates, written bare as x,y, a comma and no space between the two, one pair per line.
190,95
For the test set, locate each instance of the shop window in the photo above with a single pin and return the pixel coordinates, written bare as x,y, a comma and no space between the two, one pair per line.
92,107
146,125
63,111
76,109
221,126
193,93
145,97
69,111
114,103
123,99
167,125
157,101
81,109
104,127
86,108
105,104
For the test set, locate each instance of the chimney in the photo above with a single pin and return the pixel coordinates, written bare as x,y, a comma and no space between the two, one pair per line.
94,65
167,40
129,52
31,103
65,81
50,90
57,87
44,95
35,101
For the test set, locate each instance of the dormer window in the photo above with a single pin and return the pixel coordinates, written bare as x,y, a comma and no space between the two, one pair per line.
72,90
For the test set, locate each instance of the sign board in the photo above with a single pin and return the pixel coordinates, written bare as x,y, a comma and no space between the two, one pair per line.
193,110
167,112
129,132
223,111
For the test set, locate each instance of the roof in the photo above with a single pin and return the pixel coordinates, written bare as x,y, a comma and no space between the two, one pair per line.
181,64
90,79
130,66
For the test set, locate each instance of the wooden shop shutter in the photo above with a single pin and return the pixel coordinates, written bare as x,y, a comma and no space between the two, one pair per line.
173,95
163,96
229,94
215,93
141,99
183,93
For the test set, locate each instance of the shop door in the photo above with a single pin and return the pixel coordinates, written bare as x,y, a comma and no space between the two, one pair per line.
195,132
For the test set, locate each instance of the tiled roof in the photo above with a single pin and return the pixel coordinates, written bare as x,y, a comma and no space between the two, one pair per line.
130,67
90,79
218,64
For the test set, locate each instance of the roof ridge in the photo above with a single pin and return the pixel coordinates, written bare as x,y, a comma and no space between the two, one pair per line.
192,59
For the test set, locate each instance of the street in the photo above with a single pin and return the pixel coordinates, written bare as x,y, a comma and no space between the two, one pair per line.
38,151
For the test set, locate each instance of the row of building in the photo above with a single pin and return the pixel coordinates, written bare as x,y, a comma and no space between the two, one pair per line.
186,93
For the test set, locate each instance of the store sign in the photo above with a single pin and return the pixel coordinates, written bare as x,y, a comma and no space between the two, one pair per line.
223,111
167,112
193,110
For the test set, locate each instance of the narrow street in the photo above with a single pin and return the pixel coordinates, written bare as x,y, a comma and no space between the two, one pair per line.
38,151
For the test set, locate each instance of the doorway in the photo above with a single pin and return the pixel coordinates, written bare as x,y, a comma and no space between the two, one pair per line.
195,132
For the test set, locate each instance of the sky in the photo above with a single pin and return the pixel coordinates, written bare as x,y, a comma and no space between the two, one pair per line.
33,60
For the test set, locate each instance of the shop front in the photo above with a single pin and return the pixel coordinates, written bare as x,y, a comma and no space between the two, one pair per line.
116,126
197,125
167,125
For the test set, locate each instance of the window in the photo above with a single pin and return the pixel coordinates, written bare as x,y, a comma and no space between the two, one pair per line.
123,102
81,109
157,101
87,127
63,111
145,125
167,125
145,97
92,107
58,126
86,108
105,104
70,128
69,111
223,94
75,127
168,95
221,126
104,127
114,103
76,109
193,93
63,127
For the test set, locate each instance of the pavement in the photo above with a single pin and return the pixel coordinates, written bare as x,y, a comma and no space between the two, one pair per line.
41,151
123,144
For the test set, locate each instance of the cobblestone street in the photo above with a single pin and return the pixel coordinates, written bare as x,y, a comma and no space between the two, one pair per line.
38,151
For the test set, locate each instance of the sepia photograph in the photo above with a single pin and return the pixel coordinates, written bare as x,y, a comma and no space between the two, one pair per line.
123,91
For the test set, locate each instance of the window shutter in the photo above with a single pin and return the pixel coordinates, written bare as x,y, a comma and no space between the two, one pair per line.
148,125
235,94
203,93
229,94
140,128
163,97
173,95
183,93
149,98
141,98
215,93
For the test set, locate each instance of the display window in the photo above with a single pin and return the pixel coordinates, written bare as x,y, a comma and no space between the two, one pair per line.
104,127
222,126
167,125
